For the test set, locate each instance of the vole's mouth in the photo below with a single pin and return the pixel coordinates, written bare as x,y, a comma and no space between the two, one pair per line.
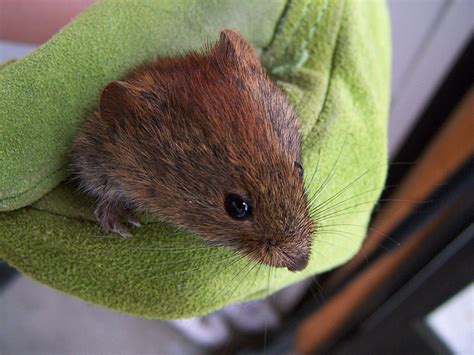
298,265
296,262
273,256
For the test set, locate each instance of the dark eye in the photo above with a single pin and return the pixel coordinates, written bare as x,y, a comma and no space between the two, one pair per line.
299,168
237,207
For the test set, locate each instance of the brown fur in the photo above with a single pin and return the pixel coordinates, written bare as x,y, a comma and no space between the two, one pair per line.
180,133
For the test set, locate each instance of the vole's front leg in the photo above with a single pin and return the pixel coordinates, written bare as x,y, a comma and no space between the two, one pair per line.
110,214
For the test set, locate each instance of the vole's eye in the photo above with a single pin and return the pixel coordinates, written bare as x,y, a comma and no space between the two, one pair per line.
299,168
237,207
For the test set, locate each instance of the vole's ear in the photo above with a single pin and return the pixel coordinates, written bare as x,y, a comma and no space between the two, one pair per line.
117,99
232,47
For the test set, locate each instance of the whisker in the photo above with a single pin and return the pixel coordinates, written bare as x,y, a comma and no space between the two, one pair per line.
382,188
335,215
340,246
346,187
316,214
333,244
159,250
364,227
186,259
321,215
418,202
266,319
316,170
314,196
249,262
243,278
196,268
348,235
333,169
318,209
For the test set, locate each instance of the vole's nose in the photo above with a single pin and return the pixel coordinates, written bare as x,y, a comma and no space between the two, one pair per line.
298,263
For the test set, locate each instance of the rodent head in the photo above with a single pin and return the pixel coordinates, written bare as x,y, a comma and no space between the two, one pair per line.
227,151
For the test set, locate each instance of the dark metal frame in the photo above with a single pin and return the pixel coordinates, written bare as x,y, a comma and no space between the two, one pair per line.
7,274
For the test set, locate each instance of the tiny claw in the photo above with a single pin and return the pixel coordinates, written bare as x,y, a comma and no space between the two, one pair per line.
134,222
123,231
109,215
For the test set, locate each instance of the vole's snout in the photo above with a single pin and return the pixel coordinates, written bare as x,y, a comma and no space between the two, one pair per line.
298,263
278,253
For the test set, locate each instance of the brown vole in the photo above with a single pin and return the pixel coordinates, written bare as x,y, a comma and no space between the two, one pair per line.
207,142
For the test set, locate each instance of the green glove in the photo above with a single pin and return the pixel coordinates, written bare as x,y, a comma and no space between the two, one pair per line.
331,57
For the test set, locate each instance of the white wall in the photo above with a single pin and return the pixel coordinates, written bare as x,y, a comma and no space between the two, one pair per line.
427,36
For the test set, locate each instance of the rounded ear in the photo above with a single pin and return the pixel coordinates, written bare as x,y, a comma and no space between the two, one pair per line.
232,47
116,99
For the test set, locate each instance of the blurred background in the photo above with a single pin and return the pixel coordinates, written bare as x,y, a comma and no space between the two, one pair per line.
410,288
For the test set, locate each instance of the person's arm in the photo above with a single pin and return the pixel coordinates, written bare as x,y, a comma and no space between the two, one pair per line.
35,21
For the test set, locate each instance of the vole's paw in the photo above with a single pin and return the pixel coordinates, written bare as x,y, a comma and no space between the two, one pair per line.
133,221
121,230
109,215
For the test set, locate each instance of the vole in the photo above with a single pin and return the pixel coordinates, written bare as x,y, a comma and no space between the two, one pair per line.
207,142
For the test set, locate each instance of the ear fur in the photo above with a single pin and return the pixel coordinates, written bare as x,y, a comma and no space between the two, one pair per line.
116,99
232,47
